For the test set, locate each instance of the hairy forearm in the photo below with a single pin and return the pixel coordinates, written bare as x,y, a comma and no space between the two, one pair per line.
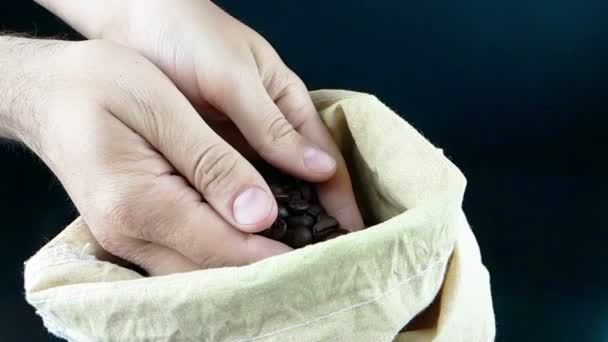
12,77
22,63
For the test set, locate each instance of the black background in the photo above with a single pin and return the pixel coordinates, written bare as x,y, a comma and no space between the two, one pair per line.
515,92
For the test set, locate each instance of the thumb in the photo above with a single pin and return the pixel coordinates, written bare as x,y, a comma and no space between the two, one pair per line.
227,181
272,135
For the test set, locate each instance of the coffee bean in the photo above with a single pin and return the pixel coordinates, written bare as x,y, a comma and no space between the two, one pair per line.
301,220
278,229
324,226
298,236
283,212
336,233
280,192
294,194
314,210
306,191
298,205
282,198
276,189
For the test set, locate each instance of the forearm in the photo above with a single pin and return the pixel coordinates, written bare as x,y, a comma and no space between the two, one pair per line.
12,75
21,64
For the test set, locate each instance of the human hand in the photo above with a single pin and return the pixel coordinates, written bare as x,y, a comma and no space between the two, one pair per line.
228,71
155,184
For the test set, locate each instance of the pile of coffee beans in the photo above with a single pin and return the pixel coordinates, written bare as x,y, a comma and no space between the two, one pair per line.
302,220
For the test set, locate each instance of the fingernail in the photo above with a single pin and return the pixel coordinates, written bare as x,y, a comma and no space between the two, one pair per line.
318,160
251,206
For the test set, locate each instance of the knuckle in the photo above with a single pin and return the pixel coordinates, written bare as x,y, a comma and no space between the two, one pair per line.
124,218
146,109
121,216
125,249
276,82
295,97
215,168
299,110
278,129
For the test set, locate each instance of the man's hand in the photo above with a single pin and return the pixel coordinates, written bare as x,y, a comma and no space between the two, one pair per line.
157,186
226,69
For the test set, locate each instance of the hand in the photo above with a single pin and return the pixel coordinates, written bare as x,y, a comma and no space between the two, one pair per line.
156,185
226,69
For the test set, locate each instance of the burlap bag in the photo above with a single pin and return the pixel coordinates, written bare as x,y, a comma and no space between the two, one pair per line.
418,251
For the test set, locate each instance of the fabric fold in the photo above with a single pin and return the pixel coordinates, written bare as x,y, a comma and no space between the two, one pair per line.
363,286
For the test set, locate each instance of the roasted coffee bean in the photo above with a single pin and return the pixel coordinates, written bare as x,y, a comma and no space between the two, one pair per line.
336,233
298,205
280,193
301,220
294,194
306,191
314,210
277,189
283,212
298,236
324,226
282,198
278,229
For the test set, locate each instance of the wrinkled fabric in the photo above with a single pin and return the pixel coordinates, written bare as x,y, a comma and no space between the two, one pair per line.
418,255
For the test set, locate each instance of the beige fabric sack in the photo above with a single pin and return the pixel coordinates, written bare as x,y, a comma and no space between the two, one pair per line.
360,287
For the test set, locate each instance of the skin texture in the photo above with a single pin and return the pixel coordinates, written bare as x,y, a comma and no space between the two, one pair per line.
228,72
131,152
153,141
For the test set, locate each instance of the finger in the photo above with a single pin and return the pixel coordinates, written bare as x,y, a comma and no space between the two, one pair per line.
157,260
336,194
154,108
203,236
268,131
170,216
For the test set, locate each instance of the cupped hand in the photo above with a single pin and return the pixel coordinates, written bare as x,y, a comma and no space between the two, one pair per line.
228,71
157,186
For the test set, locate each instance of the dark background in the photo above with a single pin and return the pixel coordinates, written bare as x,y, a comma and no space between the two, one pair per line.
515,92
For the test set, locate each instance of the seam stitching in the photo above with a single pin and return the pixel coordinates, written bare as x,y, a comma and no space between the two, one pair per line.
354,306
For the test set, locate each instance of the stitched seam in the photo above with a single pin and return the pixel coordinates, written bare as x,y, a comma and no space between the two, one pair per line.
354,306
299,325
